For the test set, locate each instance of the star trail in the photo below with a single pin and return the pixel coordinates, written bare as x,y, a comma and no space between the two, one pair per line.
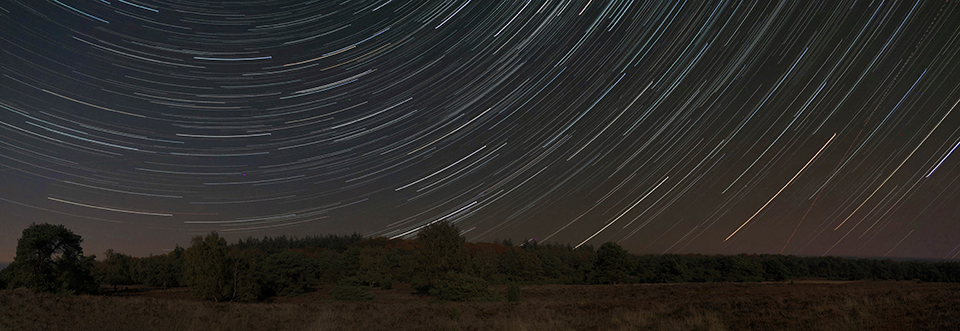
807,127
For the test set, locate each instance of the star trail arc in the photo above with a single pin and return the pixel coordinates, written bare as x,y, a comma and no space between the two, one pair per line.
140,123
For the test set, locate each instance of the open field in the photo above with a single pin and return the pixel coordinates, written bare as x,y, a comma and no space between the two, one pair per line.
811,305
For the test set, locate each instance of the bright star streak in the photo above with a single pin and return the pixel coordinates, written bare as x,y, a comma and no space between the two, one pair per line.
782,188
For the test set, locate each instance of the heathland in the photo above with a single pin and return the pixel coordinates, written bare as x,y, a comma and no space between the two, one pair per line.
440,281
801,305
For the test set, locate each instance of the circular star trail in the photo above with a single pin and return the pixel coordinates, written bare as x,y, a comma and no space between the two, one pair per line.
804,127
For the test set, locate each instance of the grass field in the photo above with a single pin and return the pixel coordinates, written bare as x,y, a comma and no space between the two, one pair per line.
810,305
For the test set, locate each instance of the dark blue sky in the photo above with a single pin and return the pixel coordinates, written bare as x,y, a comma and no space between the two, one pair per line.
810,127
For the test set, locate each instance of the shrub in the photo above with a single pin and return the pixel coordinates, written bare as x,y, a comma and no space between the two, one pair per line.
350,289
513,293
420,283
386,283
455,286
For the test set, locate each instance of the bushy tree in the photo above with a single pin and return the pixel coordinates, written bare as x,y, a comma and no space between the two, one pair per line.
373,265
775,270
672,268
115,269
520,265
613,265
485,263
49,259
326,264
161,270
207,269
247,275
402,261
289,272
738,268
441,250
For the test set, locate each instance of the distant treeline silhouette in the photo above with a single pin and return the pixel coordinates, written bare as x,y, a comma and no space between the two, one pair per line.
440,262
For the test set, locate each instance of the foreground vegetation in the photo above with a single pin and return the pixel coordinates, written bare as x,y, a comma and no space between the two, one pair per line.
861,305
439,263
440,281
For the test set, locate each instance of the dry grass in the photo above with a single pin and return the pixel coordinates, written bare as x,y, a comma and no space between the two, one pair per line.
715,306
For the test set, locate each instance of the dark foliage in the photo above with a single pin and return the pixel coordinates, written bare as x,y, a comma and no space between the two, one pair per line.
115,269
456,286
350,289
289,272
441,250
49,259
207,268
439,259
386,283
277,244
160,270
614,265
6,276
513,293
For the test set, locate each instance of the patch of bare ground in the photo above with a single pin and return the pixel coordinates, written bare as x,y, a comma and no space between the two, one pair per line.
691,306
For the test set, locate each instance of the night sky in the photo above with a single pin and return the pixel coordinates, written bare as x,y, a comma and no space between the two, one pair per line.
808,128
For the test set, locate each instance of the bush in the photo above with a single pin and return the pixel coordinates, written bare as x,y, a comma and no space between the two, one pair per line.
420,283
350,289
513,293
386,283
455,286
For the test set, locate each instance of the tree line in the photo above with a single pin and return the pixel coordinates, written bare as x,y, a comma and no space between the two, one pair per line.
438,262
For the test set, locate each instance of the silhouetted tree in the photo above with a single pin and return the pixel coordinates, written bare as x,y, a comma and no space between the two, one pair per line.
613,265
49,259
